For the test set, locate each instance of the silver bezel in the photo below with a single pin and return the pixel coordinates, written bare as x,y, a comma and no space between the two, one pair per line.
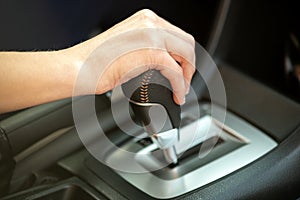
256,145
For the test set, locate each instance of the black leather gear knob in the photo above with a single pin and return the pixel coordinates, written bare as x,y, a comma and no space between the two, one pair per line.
150,88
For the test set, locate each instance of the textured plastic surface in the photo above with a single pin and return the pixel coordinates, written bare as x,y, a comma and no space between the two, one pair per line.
29,126
275,176
265,108
7,163
70,189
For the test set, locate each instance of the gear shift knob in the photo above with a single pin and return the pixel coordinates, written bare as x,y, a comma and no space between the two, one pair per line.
152,90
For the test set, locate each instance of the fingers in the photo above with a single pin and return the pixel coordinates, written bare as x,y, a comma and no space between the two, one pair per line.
152,42
180,77
178,47
188,70
175,68
174,73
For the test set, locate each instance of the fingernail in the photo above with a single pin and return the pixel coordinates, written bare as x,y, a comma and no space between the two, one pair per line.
177,101
187,90
183,101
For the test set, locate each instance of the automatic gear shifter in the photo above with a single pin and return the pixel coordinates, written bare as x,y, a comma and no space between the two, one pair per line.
152,90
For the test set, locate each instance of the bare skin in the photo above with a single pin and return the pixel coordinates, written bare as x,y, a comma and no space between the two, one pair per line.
32,78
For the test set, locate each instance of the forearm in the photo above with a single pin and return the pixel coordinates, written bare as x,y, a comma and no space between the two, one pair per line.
32,78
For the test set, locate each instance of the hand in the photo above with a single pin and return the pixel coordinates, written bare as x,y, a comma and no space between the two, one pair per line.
141,42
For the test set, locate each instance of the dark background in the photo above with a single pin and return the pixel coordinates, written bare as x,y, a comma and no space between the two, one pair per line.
55,24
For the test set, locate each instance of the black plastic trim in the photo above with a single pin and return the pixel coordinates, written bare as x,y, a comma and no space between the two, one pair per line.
265,108
7,163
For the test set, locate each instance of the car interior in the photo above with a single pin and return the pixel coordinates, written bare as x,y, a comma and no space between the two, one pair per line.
253,153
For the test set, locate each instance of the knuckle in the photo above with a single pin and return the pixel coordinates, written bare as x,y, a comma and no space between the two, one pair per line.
148,15
190,55
192,39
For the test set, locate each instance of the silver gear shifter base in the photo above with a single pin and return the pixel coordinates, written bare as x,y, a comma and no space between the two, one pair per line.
240,144
170,155
166,141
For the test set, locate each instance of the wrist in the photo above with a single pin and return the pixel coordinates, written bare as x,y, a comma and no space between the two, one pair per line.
80,55
75,58
68,66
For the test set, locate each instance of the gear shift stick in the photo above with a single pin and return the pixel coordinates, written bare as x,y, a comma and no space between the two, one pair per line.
149,90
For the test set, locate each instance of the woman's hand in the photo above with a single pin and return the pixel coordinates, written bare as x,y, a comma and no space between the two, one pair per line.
141,42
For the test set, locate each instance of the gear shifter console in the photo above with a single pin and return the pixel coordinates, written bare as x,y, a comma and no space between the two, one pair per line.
207,150
151,98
